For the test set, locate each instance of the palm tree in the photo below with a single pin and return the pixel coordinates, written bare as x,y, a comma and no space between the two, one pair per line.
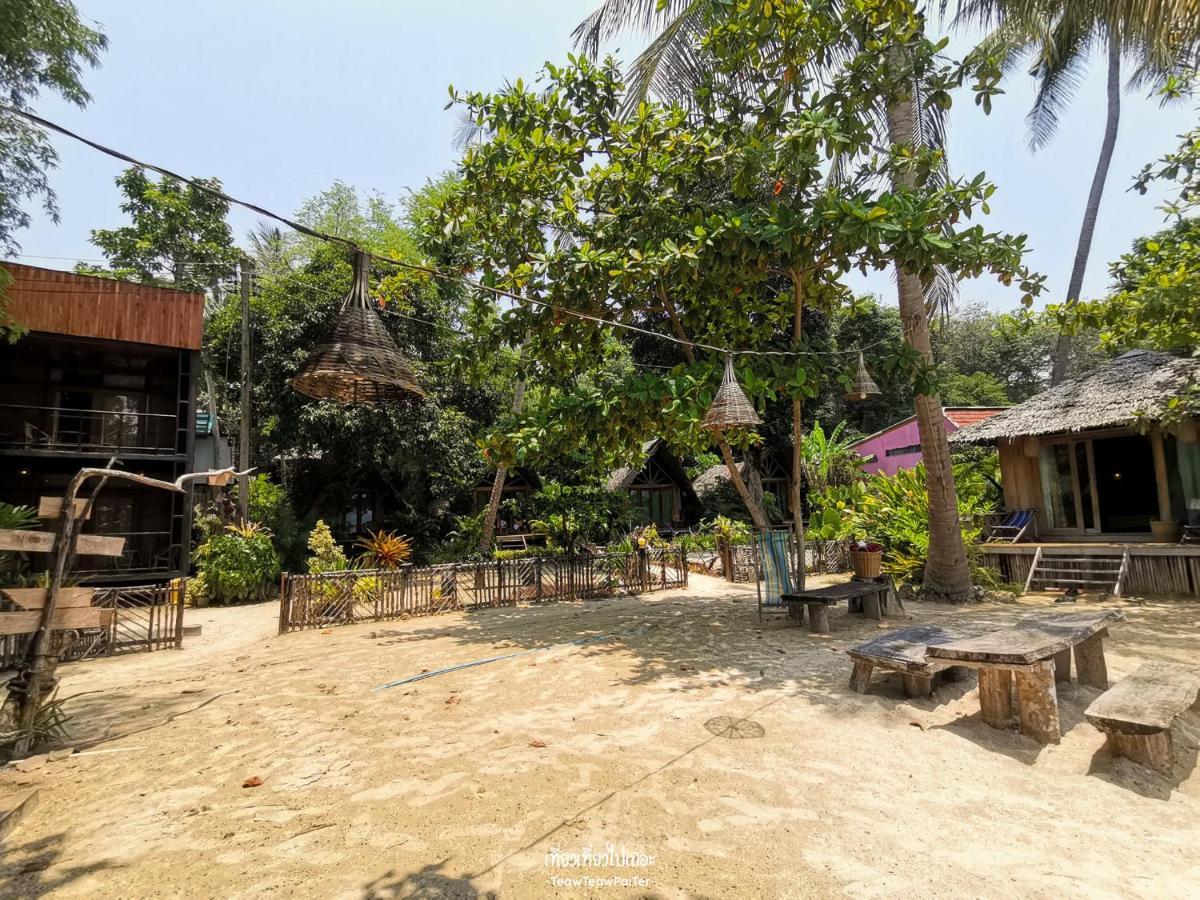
669,67
1158,37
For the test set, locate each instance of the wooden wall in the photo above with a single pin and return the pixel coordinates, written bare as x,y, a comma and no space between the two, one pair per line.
85,306
1021,478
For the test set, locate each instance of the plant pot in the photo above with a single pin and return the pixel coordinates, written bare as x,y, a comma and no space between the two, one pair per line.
1167,532
866,563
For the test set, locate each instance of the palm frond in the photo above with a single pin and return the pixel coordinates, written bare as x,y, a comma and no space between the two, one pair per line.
614,17
1059,66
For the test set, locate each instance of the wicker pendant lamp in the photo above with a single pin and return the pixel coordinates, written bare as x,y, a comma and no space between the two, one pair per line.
359,363
730,408
863,386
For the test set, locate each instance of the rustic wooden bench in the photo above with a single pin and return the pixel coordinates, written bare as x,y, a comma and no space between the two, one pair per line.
903,651
1136,714
873,597
1036,652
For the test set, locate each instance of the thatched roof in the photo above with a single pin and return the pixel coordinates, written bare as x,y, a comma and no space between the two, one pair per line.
620,479
1106,397
714,477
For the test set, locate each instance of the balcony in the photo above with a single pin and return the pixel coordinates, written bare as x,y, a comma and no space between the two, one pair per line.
67,430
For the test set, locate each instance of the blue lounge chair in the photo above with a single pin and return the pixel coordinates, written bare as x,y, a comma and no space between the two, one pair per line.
772,557
1012,528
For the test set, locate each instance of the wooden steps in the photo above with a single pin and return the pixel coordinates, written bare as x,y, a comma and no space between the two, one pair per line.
1098,573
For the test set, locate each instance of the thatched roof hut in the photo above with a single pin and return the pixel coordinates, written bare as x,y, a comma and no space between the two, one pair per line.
659,485
1107,397
1077,455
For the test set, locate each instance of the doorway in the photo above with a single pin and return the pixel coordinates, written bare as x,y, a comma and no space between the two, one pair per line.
1125,482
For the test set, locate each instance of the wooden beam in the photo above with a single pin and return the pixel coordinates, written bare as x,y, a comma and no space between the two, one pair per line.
35,598
51,507
1160,475
43,542
28,622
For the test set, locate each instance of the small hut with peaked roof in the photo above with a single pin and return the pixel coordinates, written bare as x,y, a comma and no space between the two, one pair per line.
659,486
1091,457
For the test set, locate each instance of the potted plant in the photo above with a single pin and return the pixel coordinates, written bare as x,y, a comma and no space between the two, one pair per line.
866,558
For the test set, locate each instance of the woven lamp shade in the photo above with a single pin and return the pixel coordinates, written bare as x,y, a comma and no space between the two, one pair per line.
730,408
359,363
863,386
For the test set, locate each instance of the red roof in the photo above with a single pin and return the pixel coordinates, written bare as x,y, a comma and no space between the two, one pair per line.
962,416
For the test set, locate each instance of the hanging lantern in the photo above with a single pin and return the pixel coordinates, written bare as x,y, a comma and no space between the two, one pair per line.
863,385
360,363
730,408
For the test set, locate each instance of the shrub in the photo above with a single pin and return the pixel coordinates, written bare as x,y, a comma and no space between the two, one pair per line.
327,554
238,565
384,550
729,531
529,553
12,564
270,506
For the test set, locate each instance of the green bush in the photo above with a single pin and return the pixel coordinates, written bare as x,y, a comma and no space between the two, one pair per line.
327,553
894,510
529,553
12,564
239,565
270,507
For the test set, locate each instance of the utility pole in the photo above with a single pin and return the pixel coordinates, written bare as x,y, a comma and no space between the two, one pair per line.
244,438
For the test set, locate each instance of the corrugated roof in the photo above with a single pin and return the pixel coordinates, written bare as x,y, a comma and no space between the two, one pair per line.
962,416
1106,397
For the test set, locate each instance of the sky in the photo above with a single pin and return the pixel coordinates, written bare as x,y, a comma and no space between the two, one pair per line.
278,98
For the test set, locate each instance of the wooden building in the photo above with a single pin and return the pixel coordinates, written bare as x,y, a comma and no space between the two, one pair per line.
108,368
774,474
1076,455
659,487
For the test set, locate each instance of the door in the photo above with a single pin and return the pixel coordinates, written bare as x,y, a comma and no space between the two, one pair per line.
1069,493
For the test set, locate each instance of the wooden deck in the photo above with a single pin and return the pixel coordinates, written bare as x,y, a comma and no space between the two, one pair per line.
1152,568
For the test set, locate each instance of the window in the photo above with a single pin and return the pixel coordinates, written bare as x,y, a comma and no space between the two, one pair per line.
904,451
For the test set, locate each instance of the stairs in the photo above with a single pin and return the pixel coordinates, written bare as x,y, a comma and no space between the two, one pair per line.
1085,573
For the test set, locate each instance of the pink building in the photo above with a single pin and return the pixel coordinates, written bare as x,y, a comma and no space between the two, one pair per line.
899,446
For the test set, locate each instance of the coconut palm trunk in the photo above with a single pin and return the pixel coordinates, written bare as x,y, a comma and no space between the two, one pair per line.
947,575
1062,350
487,536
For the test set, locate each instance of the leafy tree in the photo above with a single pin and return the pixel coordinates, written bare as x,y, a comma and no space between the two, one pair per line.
178,236
43,47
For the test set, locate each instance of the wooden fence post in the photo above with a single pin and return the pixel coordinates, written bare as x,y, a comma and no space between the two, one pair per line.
283,603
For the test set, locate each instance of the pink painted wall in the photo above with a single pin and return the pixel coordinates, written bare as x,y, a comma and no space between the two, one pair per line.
904,436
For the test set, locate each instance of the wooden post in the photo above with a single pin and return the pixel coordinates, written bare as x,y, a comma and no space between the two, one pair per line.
818,618
1160,474
1037,703
1062,665
1090,667
244,437
995,697
1152,750
872,607
860,677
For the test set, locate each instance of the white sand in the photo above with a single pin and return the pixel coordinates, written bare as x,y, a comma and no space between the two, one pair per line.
438,789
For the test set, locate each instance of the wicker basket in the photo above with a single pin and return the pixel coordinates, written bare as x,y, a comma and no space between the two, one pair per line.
866,563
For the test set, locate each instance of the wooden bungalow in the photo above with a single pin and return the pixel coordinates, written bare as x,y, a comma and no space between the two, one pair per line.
775,477
520,484
107,368
659,487
1110,497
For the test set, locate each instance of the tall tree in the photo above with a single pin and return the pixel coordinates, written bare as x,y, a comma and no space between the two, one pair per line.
178,235
43,47
907,110
730,200
1158,40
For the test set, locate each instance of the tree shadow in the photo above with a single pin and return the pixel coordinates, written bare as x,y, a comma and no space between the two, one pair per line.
427,883
23,866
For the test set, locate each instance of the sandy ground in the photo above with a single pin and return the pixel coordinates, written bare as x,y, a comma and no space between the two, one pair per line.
475,783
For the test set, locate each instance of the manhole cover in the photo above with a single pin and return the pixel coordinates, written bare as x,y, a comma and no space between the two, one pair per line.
735,729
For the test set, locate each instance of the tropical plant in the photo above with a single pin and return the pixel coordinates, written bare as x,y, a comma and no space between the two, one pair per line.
1159,40
384,550
829,460
730,532
571,514
13,564
238,565
327,554
270,505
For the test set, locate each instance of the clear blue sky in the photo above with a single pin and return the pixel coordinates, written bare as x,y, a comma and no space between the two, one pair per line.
279,98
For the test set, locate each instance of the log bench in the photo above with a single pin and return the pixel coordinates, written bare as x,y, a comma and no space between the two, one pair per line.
1136,714
903,651
873,597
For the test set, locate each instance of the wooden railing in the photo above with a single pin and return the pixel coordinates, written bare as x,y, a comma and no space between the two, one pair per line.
370,595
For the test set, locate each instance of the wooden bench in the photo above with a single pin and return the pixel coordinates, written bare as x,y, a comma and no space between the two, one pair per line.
1036,653
873,596
903,651
1136,714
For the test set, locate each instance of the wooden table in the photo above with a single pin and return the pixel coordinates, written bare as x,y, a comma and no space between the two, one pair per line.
1036,653
872,595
